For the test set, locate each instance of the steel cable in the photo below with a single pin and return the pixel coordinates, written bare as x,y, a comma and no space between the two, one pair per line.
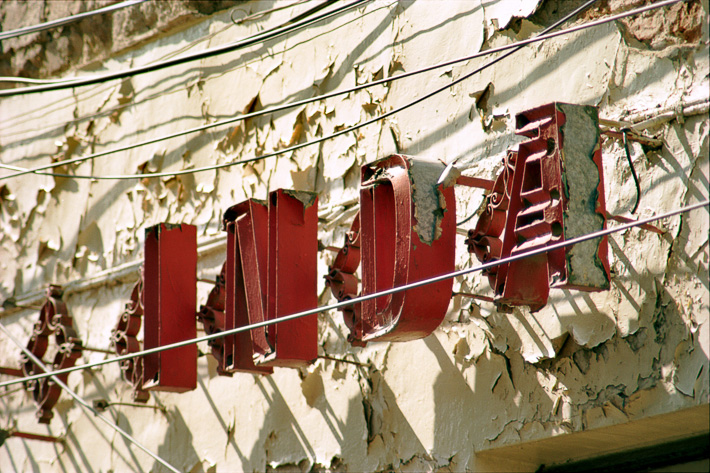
509,48
355,300
67,20
250,41
83,402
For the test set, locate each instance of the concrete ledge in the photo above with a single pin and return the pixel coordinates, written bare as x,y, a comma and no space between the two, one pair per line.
603,441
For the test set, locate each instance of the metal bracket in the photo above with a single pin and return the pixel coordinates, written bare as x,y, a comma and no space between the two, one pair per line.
5,434
452,174
17,373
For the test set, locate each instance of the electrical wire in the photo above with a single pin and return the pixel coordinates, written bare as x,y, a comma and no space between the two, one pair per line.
625,133
259,36
29,116
28,80
171,54
367,297
514,47
250,41
83,402
67,20
458,224
260,14
511,48
307,13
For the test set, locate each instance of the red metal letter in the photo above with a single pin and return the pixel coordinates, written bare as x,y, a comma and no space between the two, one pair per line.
273,273
247,240
407,234
169,301
292,277
551,189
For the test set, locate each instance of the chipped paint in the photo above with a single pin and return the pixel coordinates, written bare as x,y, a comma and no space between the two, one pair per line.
582,184
484,381
429,203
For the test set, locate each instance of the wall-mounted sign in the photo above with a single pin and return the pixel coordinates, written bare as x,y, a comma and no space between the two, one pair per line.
407,232
274,249
551,188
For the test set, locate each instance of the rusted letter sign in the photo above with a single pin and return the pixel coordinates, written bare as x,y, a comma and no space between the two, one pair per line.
407,234
54,319
169,302
274,253
550,190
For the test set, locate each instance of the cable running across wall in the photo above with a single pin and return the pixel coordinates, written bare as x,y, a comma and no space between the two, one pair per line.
13,122
83,402
299,22
510,48
67,20
250,41
260,14
28,80
78,159
355,300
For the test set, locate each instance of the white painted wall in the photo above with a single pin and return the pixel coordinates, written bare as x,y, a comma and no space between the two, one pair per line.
484,379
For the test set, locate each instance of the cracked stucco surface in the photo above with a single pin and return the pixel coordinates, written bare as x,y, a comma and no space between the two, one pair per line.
484,379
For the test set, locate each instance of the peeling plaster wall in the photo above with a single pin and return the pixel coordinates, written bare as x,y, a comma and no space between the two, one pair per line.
484,379
87,43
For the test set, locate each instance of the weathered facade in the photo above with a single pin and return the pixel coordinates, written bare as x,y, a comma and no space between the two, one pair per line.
588,375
